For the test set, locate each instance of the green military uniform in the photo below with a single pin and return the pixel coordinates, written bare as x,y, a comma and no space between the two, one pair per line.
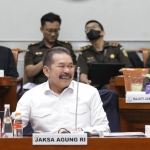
111,53
36,52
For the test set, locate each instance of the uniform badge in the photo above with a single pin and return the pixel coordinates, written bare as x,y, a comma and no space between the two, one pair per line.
90,58
112,56
38,53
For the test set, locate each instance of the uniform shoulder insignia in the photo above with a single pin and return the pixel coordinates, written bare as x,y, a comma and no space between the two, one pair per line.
85,47
33,44
113,44
67,42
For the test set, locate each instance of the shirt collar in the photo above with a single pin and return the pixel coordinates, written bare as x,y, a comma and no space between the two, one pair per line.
106,44
42,43
57,43
47,89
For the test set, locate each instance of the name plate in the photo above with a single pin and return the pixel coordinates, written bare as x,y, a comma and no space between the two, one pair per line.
137,97
59,139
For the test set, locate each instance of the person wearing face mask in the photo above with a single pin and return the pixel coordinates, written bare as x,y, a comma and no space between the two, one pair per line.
99,52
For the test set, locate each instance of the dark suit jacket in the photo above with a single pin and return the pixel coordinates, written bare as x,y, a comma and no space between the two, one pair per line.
7,62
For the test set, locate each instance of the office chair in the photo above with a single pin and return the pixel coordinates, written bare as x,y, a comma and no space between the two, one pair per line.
111,107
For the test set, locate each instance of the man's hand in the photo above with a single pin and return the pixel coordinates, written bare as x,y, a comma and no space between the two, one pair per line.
65,129
84,78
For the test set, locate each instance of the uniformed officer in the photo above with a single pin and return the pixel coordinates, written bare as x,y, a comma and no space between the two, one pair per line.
100,51
50,27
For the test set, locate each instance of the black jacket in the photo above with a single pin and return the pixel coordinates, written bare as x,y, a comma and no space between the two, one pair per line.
7,62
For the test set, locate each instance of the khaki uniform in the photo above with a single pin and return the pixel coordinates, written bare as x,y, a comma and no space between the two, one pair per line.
111,53
36,52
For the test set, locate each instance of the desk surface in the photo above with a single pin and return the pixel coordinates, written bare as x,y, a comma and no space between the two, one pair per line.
93,143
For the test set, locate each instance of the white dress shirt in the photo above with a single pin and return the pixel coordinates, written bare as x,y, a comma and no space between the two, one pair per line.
48,111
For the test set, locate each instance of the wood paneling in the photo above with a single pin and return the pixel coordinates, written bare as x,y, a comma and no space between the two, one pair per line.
93,143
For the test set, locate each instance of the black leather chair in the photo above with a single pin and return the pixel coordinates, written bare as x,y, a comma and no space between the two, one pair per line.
111,107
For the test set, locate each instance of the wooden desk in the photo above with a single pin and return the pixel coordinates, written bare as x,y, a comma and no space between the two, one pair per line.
133,117
8,92
93,143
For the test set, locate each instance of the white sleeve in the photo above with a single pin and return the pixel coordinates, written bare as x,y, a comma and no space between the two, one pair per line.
99,122
24,108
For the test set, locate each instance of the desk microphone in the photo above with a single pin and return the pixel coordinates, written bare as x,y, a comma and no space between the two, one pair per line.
78,77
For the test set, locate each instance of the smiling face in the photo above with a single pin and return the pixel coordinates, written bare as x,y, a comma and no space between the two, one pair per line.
60,73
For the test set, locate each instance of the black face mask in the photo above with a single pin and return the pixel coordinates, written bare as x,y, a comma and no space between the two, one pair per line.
93,34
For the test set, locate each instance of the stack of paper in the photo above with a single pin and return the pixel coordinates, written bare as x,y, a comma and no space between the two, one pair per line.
124,134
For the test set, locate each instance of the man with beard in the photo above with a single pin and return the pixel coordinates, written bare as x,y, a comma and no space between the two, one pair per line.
51,105
50,27
99,52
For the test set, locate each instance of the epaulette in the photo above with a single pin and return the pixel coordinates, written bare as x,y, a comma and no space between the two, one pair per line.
113,44
85,47
33,44
67,42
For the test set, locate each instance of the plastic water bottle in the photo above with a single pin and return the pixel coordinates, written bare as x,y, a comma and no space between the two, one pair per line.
7,123
18,126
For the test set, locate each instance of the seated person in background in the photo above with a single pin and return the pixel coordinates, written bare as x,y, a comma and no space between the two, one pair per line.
52,104
100,51
7,62
50,27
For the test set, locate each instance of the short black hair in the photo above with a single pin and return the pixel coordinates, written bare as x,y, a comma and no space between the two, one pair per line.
48,56
101,26
50,17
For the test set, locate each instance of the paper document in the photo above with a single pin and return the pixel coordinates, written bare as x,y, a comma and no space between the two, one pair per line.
124,134
29,85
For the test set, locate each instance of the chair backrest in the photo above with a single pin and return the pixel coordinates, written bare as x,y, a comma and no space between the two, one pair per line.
135,59
15,52
111,107
145,53
133,78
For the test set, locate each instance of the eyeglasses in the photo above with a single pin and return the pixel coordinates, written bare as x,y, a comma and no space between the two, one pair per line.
50,31
95,27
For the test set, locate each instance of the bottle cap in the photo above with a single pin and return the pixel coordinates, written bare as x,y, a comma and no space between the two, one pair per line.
17,114
7,106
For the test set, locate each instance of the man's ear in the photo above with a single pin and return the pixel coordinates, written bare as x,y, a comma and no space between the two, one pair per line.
41,29
46,71
87,38
102,33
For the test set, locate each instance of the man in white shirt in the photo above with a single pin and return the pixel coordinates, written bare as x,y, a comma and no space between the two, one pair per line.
52,105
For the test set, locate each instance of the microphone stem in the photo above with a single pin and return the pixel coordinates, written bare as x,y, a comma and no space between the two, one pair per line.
78,74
